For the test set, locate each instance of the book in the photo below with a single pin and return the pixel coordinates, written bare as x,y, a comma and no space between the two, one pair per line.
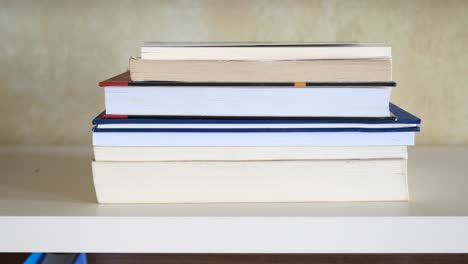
291,132
250,181
249,126
197,139
399,118
114,153
357,70
327,101
123,79
262,51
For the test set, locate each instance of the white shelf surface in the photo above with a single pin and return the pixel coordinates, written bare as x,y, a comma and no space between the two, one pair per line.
47,203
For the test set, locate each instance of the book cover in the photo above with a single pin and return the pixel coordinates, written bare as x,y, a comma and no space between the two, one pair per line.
330,125
124,79
399,115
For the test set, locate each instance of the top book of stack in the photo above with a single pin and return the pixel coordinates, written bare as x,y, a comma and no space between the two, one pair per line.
262,62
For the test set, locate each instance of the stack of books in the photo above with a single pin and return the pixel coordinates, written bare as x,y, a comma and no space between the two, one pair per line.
253,122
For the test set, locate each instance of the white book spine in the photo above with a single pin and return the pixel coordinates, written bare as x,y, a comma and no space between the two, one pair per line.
189,139
246,153
252,181
270,53
249,101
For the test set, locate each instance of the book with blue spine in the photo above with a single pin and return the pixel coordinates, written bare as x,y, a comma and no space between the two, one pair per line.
399,117
256,132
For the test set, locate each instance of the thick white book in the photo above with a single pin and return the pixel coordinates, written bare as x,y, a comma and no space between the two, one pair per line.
250,181
248,101
206,139
262,51
103,153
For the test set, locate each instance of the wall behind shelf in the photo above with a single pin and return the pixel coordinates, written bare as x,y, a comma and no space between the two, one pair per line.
53,53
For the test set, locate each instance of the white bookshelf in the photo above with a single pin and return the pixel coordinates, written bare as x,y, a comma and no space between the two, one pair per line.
47,203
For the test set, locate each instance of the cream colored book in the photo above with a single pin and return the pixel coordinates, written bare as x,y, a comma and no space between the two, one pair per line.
104,153
262,51
250,181
357,70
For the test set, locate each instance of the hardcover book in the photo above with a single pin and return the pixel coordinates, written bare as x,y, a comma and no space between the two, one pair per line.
257,132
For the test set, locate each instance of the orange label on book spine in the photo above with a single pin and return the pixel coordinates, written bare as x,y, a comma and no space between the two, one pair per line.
300,84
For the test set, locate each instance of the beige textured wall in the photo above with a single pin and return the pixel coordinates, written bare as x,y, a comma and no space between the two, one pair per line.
53,53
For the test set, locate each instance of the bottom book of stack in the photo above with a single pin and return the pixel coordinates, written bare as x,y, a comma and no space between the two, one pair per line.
153,160
251,181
